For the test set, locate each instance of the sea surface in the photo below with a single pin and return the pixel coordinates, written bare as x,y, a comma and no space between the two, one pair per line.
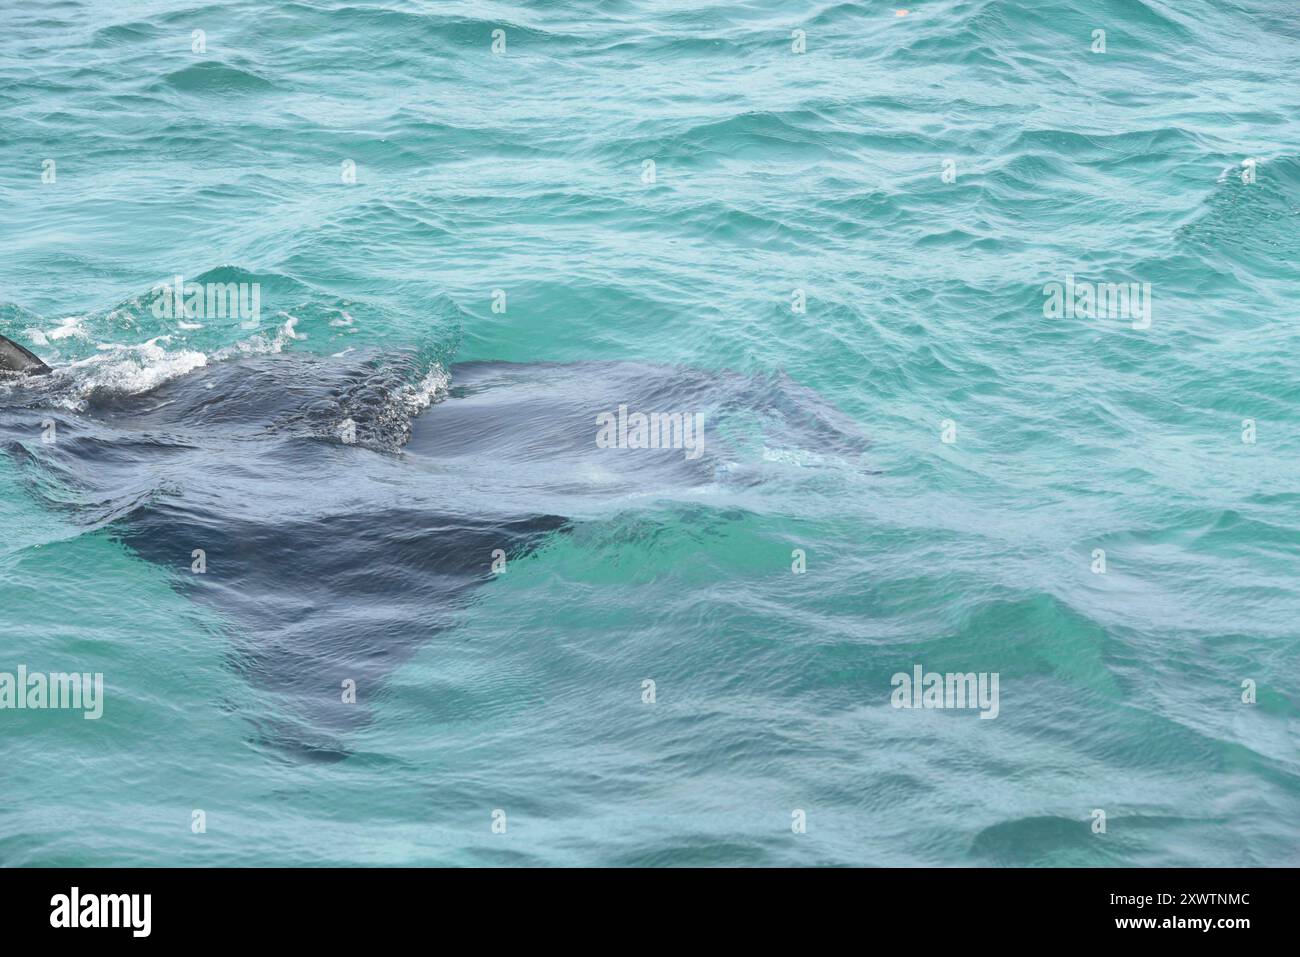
827,228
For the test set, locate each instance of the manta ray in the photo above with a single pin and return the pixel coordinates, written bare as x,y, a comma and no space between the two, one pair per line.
336,513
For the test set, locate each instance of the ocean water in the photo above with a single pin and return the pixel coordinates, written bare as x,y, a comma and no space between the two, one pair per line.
831,230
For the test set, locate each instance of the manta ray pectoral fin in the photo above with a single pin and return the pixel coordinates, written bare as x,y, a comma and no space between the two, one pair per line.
14,358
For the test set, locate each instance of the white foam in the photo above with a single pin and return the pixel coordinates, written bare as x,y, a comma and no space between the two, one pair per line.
67,328
432,388
134,369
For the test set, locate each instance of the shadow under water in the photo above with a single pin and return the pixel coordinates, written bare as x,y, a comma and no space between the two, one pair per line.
337,514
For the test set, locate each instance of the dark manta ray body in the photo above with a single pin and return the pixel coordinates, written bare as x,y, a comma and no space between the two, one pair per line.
15,359
330,561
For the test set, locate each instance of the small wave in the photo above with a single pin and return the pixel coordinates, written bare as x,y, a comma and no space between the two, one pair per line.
1242,220
123,33
214,77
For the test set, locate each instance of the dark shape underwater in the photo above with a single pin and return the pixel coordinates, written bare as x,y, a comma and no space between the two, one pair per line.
330,559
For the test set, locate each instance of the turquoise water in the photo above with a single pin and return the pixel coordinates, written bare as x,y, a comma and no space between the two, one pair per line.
524,171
